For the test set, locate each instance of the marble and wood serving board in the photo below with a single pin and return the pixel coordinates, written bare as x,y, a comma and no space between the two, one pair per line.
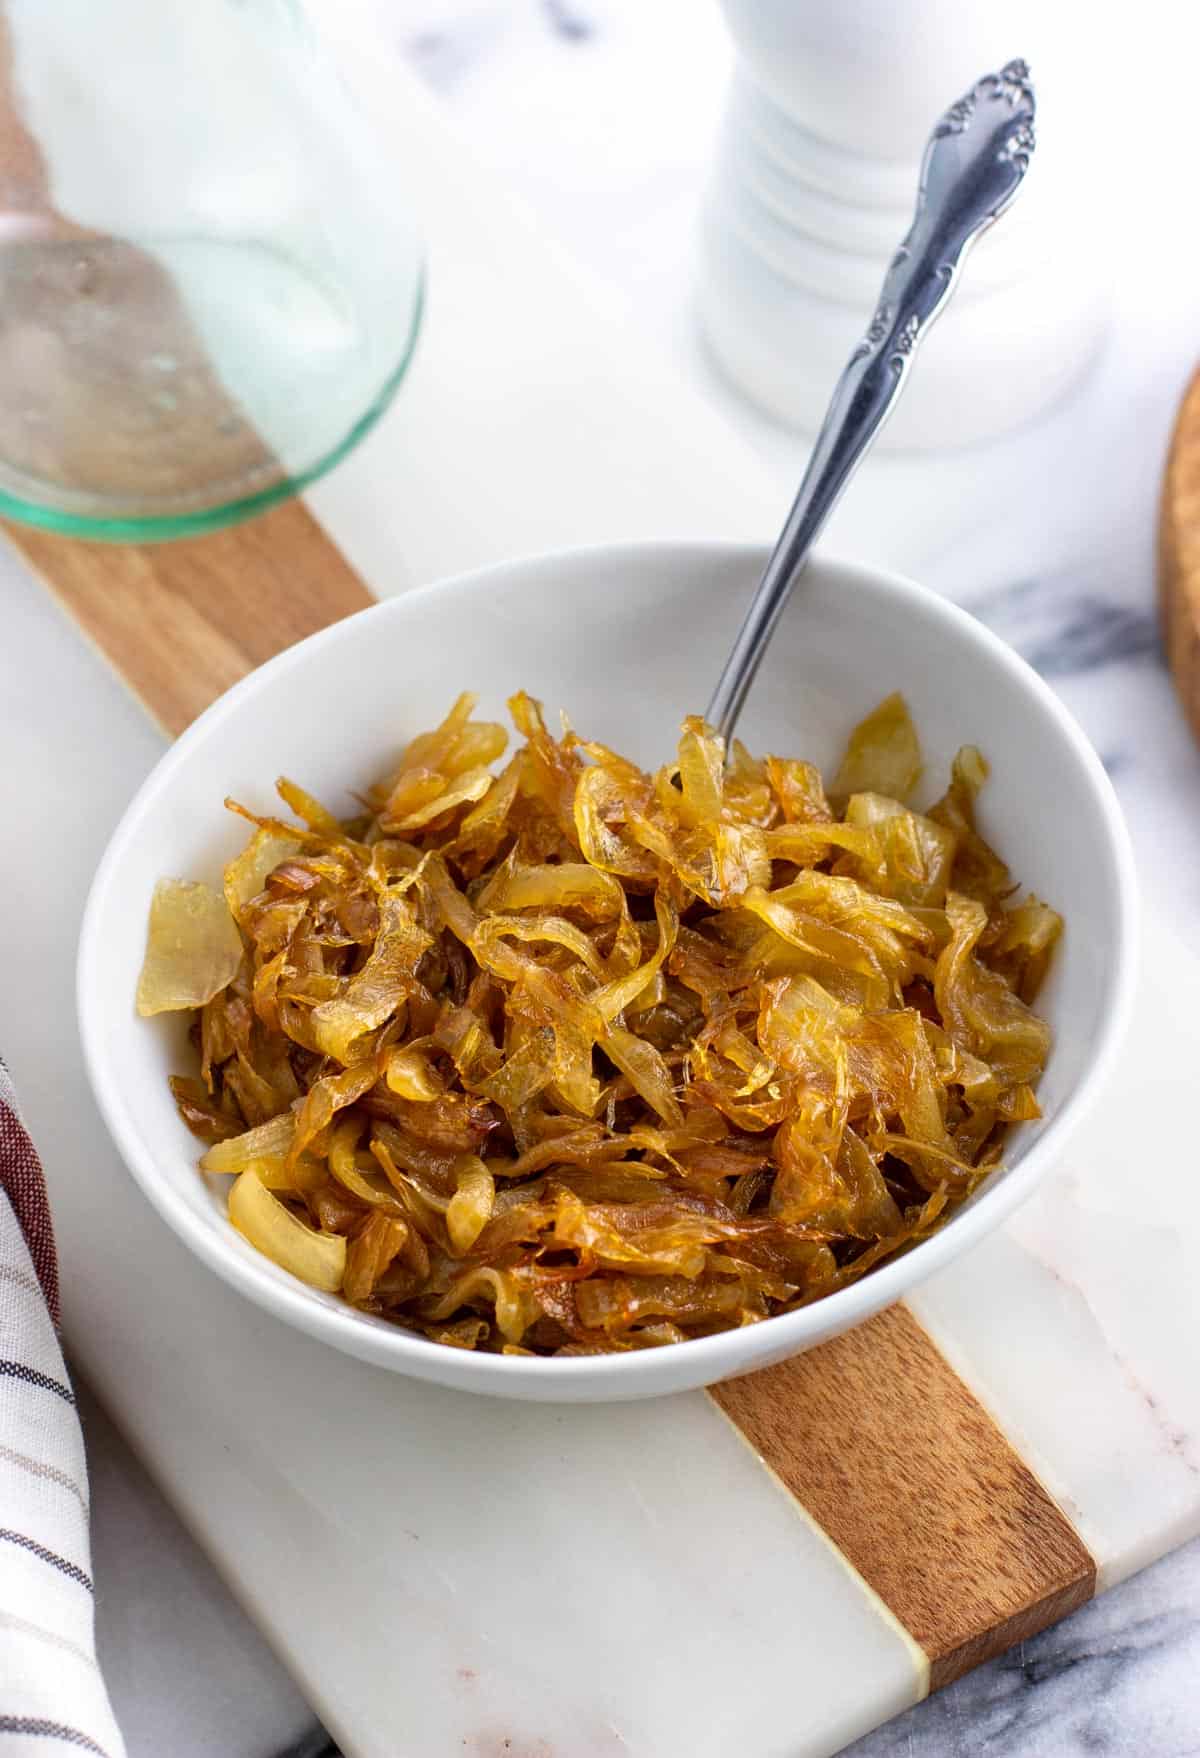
769,1570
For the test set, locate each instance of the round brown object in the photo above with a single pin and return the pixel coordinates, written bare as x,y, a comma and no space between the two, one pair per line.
1179,554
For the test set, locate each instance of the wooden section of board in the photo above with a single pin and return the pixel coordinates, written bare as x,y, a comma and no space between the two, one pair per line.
180,622
1179,554
885,1447
912,1480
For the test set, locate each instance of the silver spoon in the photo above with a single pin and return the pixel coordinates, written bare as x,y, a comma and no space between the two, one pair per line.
973,166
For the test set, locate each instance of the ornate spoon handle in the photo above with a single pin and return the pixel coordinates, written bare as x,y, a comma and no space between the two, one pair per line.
973,166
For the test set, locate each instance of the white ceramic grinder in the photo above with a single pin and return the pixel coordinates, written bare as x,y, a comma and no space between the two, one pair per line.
813,188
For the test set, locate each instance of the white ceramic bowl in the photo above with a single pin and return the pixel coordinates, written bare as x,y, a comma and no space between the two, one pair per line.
628,640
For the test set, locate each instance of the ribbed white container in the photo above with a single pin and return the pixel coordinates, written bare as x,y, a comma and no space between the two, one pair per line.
813,187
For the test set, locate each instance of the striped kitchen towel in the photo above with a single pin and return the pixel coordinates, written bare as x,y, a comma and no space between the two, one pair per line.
52,1695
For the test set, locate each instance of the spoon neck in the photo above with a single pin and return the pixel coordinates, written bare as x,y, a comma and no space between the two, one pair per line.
973,166
860,404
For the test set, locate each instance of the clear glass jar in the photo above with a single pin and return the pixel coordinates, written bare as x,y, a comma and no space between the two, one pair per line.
210,286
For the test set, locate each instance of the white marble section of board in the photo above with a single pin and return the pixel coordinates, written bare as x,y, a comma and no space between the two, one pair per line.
1079,1325
598,1581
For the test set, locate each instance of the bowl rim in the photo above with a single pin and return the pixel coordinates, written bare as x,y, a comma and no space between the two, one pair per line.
698,1361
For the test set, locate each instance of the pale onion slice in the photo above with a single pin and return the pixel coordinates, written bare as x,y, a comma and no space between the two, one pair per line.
470,1207
555,929
701,772
410,1073
269,1141
310,810
464,789
193,948
350,1168
247,874
883,755
570,885
265,1149
614,998
316,1258
644,1066
373,995
299,1178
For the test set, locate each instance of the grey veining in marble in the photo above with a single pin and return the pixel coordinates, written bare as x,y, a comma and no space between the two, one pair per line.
444,57
572,22
1120,1679
314,1744
1064,627
447,44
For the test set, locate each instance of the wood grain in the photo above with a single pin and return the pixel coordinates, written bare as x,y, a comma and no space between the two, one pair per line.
1179,554
912,1480
182,621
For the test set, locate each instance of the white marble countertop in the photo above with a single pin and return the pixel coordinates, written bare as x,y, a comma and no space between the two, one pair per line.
600,115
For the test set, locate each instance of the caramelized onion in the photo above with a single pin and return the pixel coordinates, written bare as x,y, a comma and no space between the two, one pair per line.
193,948
574,1058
